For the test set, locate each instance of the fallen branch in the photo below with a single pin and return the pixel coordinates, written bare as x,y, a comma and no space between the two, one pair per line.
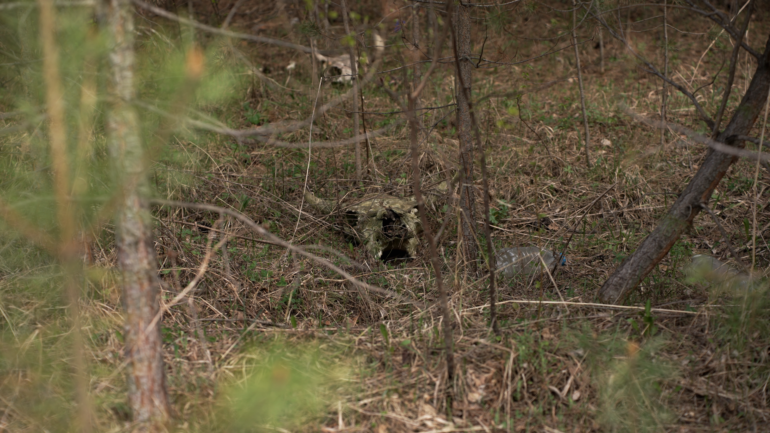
592,305
700,138
240,133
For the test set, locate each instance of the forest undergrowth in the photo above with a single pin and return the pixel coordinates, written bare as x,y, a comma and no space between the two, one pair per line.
270,338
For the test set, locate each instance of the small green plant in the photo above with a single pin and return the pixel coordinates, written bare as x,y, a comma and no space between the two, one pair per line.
253,116
385,335
284,387
647,327
629,376
498,214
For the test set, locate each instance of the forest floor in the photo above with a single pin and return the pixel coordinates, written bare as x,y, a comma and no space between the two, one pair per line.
282,341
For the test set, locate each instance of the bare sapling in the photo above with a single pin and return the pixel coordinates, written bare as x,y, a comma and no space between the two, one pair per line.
756,183
461,38
351,41
491,256
414,129
410,111
68,236
136,253
587,136
731,76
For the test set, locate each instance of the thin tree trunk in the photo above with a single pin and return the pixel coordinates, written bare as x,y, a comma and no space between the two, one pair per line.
326,16
734,60
314,69
414,128
72,266
580,82
432,23
636,267
354,72
136,253
416,71
492,259
462,34
601,48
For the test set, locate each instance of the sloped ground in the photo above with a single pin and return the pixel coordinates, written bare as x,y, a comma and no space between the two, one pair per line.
680,356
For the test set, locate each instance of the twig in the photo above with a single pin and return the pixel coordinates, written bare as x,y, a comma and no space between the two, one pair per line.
230,15
267,138
59,3
354,72
192,284
724,22
309,154
191,303
721,147
756,182
695,70
550,276
438,46
590,304
566,246
731,76
249,329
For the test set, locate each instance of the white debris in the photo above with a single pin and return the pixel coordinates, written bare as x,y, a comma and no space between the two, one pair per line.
379,43
291,66
606,143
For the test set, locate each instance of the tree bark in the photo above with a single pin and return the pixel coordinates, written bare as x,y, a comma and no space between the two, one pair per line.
462,33
636,267
136,254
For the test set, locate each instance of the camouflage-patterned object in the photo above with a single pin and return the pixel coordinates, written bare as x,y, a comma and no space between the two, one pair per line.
512,262
381,222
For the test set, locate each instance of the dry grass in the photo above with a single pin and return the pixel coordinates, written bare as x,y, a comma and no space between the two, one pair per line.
553,368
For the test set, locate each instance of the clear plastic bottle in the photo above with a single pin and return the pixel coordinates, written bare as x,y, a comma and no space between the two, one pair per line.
524,260
709,269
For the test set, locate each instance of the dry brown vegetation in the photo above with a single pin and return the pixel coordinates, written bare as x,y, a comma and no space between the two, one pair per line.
679,356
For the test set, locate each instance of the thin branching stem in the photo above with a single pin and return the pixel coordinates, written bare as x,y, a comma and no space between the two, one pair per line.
354,72
731,75
580,84
756,180
57,137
